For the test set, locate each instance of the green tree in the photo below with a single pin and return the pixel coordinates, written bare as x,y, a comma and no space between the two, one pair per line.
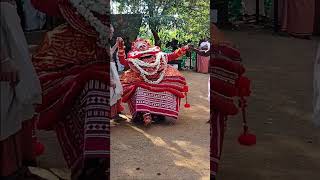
184,19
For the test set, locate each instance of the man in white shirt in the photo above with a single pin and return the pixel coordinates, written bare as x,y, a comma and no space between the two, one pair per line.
20,92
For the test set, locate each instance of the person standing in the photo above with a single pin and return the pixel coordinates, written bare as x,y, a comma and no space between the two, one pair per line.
297,17
20,93
203,61
116,89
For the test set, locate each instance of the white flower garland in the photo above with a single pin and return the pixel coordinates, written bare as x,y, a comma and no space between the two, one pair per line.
84,8
160,57
98,6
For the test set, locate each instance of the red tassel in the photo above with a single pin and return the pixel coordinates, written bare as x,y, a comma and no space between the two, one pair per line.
247,139
187,105
38,148
186,88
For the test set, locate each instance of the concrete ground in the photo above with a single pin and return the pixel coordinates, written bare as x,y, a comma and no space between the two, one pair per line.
279,113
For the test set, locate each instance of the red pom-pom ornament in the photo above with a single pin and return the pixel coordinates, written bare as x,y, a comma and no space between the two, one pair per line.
186,89
247,139
187,105
38,148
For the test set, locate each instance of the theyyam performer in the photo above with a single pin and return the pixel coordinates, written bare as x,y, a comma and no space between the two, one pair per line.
229,89
73,66
152,88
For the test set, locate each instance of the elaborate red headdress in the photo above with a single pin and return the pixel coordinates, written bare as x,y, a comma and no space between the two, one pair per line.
77,21
140,44
142,47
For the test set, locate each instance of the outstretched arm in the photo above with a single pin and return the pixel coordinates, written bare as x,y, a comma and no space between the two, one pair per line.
113,49
178,53
201,52
122,53
49,7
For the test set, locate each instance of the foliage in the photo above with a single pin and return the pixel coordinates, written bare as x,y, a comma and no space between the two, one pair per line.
168,19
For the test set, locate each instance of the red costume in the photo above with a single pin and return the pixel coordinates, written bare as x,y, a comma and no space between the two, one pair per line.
151,85
73,71
227,84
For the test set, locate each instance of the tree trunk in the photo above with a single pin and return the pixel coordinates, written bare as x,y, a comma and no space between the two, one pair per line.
156,37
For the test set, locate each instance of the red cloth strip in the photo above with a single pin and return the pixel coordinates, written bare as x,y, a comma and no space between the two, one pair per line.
229,65
49,7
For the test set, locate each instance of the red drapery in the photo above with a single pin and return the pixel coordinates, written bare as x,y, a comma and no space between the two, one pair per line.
49,7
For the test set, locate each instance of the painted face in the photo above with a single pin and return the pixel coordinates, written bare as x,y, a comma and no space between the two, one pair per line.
142,46
143,50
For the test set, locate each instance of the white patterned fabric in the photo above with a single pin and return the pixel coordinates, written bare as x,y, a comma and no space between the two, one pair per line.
161,103
115,93
86,131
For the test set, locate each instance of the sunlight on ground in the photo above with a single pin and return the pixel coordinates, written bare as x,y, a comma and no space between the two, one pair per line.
155,140
194,162
196,159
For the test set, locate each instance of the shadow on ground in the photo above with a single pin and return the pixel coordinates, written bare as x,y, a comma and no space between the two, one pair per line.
280,111
179,151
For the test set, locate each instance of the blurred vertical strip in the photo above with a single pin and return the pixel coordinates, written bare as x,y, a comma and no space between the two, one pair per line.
20,12
317,18
108,160
213,15
276,15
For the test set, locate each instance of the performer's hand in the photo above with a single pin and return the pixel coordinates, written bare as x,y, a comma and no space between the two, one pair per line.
120,42
112,84
189,47
119,39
